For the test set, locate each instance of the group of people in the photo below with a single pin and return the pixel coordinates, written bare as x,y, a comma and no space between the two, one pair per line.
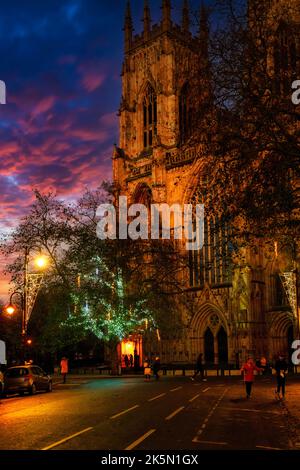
151,367
128,360
248,369
281,368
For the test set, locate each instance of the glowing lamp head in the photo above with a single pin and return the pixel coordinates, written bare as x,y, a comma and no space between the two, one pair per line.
29,342
41,262
10,309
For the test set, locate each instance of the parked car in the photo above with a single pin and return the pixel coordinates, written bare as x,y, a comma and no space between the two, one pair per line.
28,378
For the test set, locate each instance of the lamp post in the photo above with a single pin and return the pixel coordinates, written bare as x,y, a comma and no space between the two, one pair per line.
31,285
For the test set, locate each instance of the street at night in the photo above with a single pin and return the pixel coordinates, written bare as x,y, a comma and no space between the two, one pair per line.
150,232
128,413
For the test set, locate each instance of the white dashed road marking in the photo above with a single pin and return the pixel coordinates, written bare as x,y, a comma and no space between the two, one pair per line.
174,413
194,398
205,422
210,442
268,448
67,439
124,412
175,389
140,439
157,397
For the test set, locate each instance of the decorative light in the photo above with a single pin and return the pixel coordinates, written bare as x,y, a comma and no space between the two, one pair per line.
41,262
10,309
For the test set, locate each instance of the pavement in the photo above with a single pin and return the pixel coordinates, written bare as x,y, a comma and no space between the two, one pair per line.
291,408
174,413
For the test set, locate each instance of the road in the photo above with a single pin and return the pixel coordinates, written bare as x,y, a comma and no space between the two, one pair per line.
128,413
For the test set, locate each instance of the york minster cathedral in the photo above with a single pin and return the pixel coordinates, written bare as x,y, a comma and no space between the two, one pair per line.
237,311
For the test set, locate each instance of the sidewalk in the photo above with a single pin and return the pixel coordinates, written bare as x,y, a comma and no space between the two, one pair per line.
58,377
291,407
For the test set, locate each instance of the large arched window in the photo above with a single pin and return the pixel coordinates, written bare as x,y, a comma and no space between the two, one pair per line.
212,264
143,195
285,59
185,114
149,116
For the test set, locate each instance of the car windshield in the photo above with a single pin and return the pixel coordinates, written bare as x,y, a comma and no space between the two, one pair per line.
18,372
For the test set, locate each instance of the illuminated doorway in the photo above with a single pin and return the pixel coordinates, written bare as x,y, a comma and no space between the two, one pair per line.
131,348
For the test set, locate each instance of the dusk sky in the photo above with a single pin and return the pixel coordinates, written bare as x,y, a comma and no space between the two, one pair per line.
61,62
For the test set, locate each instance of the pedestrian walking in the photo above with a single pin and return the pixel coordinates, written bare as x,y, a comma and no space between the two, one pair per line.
147,370
64,368
127,361
156,367
131,360
281,368
248,370
263,365
199,368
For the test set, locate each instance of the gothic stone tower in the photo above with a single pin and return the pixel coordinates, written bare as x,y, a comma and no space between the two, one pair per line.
163,67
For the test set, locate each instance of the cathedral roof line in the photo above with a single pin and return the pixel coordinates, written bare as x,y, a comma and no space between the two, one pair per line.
165,26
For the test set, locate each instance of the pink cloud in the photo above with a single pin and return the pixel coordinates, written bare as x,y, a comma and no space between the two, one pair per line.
92,75
91,81
43,106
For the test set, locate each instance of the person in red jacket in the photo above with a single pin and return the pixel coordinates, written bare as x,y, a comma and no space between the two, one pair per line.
248,369
64,368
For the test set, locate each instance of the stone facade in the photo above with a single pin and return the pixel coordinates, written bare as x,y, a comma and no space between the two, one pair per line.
236,313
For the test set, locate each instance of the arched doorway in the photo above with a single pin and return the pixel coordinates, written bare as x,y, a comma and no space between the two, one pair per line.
290,339
209,346
222,346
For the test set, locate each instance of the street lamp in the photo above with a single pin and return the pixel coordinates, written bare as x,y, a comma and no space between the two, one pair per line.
31,285
41,262
10,309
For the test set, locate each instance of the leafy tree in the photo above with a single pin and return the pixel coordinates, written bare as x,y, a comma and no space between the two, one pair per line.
107,288
248,128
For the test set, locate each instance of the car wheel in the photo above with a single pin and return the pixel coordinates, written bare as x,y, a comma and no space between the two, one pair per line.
32,390
49,388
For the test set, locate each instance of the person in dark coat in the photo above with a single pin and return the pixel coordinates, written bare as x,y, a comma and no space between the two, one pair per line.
131,360
126,360
281,368
156,367
199,368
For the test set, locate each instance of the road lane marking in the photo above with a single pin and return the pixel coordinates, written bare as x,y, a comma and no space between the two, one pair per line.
124,412
251,410
174,413
175,389
67,439
157,397
140,439
211,412
268,448
215,443
194,398
205,390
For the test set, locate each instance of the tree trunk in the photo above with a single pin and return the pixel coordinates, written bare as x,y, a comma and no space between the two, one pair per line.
114,356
